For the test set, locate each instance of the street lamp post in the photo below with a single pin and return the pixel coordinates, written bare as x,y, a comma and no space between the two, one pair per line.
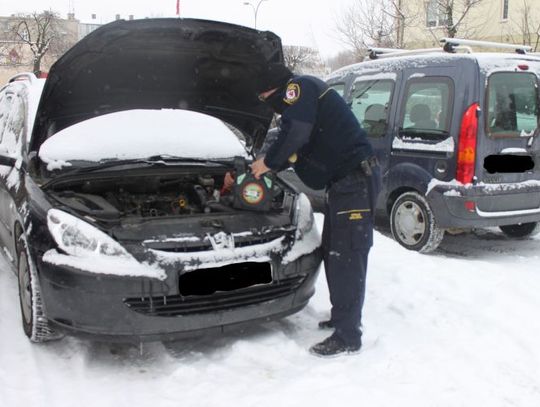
255,9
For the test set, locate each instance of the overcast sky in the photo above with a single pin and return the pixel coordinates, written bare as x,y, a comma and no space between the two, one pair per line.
297,22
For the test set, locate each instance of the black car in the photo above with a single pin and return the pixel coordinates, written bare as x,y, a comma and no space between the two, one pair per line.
457,138
115,210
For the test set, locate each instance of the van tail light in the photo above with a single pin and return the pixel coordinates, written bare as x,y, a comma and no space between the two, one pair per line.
466,155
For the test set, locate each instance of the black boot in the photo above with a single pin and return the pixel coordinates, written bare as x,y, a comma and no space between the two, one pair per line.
328,324
333,346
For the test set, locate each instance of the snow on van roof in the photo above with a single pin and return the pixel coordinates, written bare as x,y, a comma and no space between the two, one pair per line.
141,133
488,61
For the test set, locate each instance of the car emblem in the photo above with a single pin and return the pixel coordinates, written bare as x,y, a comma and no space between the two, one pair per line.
221,241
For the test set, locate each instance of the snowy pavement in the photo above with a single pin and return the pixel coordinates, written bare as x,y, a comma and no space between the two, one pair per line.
456,328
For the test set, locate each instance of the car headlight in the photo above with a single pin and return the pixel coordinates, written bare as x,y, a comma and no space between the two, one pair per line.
303,216
78,238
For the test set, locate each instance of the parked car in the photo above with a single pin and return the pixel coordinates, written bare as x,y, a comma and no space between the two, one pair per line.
112,204
457,138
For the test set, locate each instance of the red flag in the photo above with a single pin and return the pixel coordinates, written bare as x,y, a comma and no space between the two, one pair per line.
178,7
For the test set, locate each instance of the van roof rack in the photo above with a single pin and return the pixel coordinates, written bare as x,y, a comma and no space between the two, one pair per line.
449,45
376,53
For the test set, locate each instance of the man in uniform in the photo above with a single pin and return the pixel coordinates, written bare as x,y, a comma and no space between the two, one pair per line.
321,137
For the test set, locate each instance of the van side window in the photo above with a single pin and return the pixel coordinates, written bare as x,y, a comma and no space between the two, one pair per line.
339,88
428,106
512,104
370,103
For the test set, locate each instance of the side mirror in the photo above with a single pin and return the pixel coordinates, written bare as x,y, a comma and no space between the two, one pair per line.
5,159
9,161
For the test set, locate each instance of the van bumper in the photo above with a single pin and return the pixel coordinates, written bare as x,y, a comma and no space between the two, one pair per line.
485,205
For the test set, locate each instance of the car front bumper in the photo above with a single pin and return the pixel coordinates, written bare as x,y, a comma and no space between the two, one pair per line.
134,309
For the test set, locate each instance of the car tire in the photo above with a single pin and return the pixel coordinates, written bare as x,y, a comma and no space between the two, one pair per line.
34,321
520,230
413,225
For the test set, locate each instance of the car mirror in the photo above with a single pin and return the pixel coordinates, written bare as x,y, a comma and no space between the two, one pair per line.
5,158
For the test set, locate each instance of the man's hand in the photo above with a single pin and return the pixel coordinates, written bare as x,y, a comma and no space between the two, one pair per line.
258,168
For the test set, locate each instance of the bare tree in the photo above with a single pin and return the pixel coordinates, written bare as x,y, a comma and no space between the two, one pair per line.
41,33
528,27
300,58
450,16
368,23
342,59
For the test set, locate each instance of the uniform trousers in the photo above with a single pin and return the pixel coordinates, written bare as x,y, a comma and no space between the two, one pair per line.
346,241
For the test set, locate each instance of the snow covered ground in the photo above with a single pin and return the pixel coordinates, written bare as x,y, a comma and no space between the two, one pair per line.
456,328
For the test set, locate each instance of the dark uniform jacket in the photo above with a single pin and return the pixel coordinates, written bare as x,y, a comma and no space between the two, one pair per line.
320,128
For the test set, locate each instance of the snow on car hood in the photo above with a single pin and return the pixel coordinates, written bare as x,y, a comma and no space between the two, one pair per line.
165,63
139,133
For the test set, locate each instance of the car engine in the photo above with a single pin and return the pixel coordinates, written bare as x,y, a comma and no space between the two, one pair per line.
152,196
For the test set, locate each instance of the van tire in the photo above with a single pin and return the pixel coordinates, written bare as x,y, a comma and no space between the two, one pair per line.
520,230
413,225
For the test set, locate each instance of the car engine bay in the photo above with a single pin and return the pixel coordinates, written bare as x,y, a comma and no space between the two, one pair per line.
155,196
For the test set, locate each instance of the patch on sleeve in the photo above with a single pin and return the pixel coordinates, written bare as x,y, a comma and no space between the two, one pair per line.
292,94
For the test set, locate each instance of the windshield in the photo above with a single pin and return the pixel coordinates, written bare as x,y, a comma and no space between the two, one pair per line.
139,134
512,104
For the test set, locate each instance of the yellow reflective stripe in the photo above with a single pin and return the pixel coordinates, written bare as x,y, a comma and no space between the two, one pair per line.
353,211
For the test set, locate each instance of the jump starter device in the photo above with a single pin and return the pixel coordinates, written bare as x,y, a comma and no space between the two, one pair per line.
249,192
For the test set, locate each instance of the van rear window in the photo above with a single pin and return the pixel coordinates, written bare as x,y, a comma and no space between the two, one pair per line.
512,104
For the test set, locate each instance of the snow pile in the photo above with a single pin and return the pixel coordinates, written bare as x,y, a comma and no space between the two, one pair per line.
136,134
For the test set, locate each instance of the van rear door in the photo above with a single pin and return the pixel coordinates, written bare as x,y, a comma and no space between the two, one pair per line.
508,143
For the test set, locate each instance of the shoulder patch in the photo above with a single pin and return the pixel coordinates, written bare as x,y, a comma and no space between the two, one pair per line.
292,94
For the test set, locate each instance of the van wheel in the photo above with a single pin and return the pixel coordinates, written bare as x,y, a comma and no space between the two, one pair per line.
520,229
34,321
413,225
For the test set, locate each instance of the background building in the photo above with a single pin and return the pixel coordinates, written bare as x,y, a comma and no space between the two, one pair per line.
32,42
509,21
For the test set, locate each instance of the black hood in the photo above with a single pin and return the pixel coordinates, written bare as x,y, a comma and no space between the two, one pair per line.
205,66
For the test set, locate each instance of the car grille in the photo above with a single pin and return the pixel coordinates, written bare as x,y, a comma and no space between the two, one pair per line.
205,245
176,305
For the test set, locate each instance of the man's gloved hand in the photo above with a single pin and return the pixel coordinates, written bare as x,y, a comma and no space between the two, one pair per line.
258,168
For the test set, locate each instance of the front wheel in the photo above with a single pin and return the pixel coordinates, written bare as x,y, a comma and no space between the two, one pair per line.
413,224
520,230
34,321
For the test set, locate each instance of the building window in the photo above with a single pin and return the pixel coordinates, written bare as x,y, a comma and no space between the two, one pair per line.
505,10
435,13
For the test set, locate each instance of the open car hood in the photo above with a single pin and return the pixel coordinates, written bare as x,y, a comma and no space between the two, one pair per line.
204,66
